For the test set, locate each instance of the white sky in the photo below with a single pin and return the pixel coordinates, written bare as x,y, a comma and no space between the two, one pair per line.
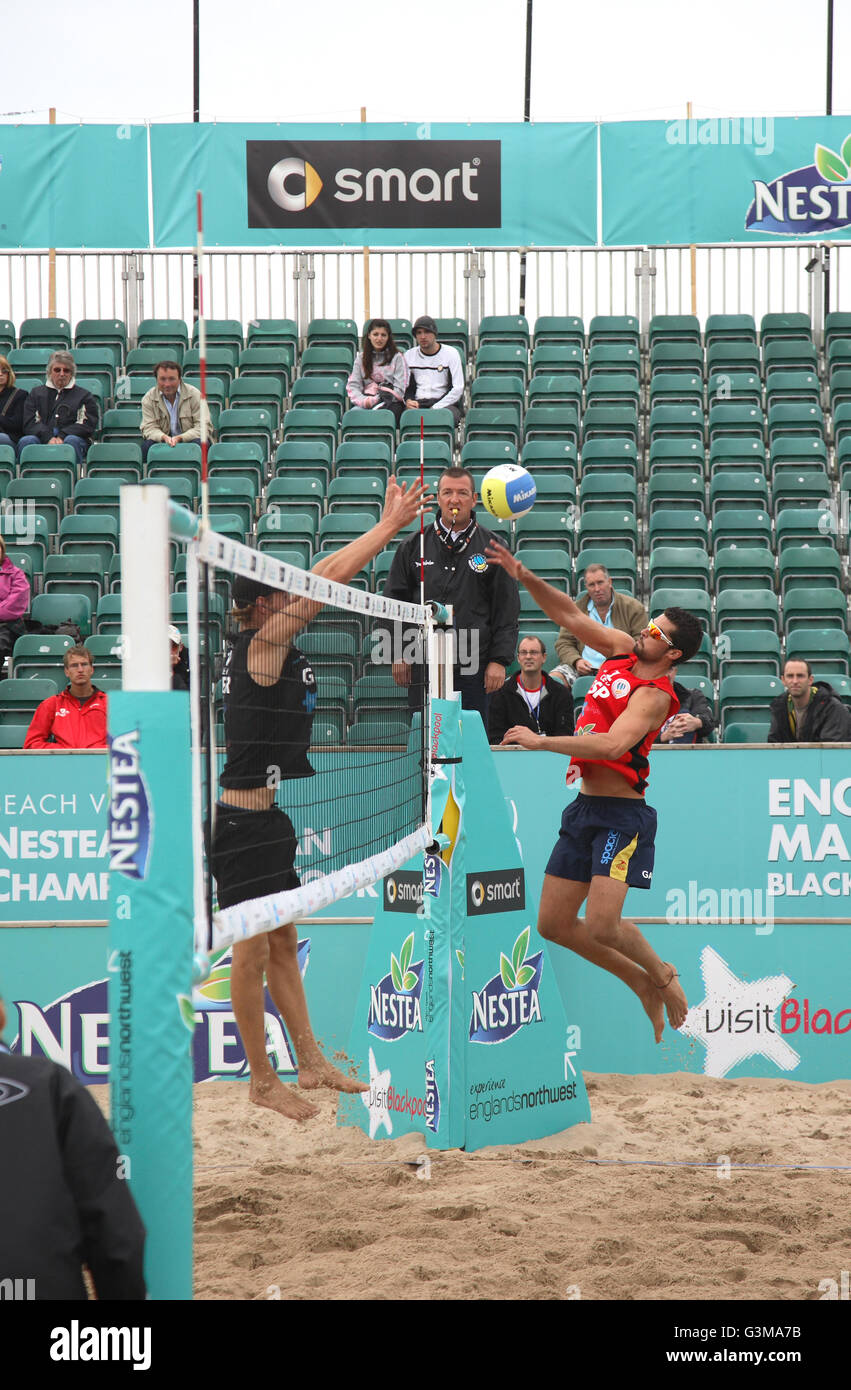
448,60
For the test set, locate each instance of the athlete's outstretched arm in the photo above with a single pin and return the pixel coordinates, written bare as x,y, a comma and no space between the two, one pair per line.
647,710
610,641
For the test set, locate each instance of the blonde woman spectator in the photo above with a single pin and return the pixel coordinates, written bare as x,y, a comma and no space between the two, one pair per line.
379,376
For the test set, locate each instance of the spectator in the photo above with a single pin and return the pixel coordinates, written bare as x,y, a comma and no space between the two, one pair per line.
485,599
436,372
171,410
694,721
603,605
809,712
531,698
379,376
60,412
14,602
11,406
179,661
63,1202
77,717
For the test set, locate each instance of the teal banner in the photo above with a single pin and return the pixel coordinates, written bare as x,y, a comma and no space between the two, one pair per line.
734,179
73,185
385,185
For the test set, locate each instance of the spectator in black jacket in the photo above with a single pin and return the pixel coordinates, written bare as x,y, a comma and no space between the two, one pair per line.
694,721
11,406
63,1201
810,712
531,697
60,412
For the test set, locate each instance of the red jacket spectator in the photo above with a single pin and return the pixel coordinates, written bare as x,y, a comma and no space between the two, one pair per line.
77,717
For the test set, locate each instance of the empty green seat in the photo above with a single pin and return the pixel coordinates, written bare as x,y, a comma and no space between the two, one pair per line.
559,359
745,388
485,422
826,649
790,355
297,494
613,328
141,362
28,535
736,488
508,391
741,526
679,566
607,526
747,697
280,526
303,456
502,359
808,488
52,333
615,488
725,328
676,388
38,497
559,329
123,424
359,423
736,609
170,335
797,451
108,616
794,327
543,455
678,358
670,526
747,731
36,654
322,361
614,357
221,363
730,356
329,332
806,526
309,392
66,605
456,333
675,490
273,333
504,328
674,328
687,454
436,453
815,607
681,422
784,387
556,492
99,333
95,534
249,423
807,566
740,566
549,530
19,699
605,388
751,652
77,572
219,333
277,361
552,564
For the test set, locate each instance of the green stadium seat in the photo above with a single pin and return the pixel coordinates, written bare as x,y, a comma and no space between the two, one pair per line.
80,573
368,456
729,357
677,490
456,333
436,453
618,560
787,387
485,422
752,652
238,456
610,422
50,333
331,332
726,328
695,601
504,328
736,452
277,361
19,699
549,455
379,732
613,357
219,333
729,419
669,526
508,391
543,530
676,422
552,423
96,534
502,359
130,392
556,492
73,605
579,690
746,526
304,457
559,329
377,692
171,336
272,333
8,336
679,566
141,362
553,565
837,324
790,355
98,364
785,328
361,424
8,465
613,328
39,497
668,454
28,535
737,609
807,566
742,388
821,607
734,488
840,387
746,697
809,488
254,424
559,359
605,388
675,388
814,526
331,653
334,361
826,648
701,663
106,649
480,455
841,688
838,355
234,493
283,527
675,358
97,494
57,461
747,731
674,328
437,424
122,424
606,527
100,333
798,419
37,654
12,736
309,392
357,497
743,566
615,488
108,616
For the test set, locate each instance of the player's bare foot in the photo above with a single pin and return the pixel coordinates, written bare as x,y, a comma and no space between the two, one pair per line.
671,993
322,1073
652,1003
274,1095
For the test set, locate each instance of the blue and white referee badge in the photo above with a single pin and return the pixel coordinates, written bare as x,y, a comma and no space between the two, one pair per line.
478,563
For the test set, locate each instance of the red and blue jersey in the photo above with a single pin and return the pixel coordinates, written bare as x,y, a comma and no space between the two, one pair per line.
614,685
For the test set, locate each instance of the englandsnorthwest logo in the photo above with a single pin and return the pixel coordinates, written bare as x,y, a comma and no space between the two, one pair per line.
814,198
131,817
394,1003
510,999
735,1020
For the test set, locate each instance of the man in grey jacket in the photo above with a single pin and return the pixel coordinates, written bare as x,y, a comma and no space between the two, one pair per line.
171,410
602,604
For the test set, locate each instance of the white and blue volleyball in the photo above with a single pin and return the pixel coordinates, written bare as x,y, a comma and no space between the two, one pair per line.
508,491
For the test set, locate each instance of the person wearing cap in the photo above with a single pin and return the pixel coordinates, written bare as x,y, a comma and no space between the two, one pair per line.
435,372
179,660
269,699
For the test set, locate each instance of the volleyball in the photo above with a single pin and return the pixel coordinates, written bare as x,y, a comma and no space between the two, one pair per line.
508,491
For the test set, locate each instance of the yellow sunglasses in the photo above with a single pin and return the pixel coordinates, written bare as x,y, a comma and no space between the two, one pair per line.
656,631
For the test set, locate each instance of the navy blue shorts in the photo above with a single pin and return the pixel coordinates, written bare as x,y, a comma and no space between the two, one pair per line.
608,837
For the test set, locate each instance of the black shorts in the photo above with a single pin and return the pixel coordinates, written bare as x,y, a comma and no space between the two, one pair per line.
608,837
253,854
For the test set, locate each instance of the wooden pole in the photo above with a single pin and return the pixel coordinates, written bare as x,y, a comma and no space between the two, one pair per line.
51,256
366,309
693,252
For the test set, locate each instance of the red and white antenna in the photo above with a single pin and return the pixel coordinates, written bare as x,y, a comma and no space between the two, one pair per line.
202,364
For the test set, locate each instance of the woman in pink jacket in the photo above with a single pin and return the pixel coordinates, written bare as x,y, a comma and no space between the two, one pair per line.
14,602
379,376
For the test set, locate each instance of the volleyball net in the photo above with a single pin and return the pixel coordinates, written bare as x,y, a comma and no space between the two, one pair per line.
345,752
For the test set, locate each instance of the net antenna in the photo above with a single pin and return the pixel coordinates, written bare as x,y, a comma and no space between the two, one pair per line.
363,801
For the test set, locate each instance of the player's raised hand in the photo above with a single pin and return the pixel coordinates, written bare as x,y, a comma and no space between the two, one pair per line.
498,555
404,501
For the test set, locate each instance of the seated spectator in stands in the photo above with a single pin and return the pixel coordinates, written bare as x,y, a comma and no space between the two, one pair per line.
11,406
809,712
64,1200
179,661
14,602
694,720
605,606
171,410
60,412
436,372
77,717
531,697
379,376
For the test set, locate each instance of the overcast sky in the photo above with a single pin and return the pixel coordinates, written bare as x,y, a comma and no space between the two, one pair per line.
449,60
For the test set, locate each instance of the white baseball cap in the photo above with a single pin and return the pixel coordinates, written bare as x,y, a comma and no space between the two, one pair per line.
174,636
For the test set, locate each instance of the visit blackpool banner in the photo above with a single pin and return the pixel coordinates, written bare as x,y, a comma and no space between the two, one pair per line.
732,179
386,185
73,185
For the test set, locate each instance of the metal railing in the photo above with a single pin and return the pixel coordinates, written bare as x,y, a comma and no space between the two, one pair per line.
447,283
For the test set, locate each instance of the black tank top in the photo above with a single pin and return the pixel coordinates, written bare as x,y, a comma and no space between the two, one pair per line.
267,727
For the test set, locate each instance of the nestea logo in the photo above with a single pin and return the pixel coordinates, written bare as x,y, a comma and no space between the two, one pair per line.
130,814
510,1000
814,198
394,1003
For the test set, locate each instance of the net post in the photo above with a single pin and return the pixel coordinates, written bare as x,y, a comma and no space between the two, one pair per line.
150,933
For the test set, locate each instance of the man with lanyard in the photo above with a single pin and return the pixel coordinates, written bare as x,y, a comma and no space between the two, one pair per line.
436,373
606,841
485,599
531,697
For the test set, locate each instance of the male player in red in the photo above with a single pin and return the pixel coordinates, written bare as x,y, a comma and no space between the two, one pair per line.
605,844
